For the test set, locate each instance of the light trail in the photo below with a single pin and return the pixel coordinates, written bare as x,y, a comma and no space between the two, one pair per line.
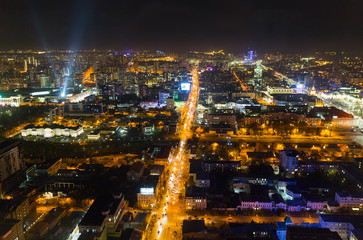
243,85
172,204
280,76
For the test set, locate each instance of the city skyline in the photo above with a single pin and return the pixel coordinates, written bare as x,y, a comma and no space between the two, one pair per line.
181,120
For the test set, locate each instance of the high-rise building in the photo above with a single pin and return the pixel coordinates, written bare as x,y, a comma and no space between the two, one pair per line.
44,81
170,103
25,66
162,97
143,90
289,160
110,91
12,166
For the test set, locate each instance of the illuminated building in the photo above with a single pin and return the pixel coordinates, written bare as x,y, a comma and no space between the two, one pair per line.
103,216
11,229
349,200
12,166
87,76
250,57
25,66
170,103
135,172
10,101
53,130
44,81
143,90
95,135
149,190
110,91
342,224
163,96
280,90
195,198
54,113
289,161
313,91
259,202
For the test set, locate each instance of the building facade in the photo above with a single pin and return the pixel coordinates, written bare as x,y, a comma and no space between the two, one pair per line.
12,166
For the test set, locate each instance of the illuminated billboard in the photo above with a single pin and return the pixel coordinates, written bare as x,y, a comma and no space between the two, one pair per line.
147,190
185,86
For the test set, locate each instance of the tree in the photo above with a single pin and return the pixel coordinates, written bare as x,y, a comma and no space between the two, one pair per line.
191,181
260,169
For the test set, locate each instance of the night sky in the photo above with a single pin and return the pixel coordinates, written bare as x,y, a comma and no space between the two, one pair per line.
234,25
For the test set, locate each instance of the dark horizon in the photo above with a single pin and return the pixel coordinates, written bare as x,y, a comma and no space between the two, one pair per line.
179,26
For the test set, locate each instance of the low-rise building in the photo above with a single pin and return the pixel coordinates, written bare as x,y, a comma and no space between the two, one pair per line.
302,232
349,200
52,130
146,198
221,166
342,224
202,179
315,202
135,172
95,135
13,101
295,205
216,118
280,90
105,213
258,202
195,198
293,192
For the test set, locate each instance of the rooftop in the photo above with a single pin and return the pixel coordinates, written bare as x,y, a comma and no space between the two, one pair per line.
8,145
94,216
192,226
6,225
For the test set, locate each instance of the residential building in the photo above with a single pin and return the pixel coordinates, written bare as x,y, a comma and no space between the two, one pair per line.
342,224
281,228
192,228
258,202
221,166
202,179
302,233
105,213
12,166
289,161
11,229
195,198
216,118
356,234
349,200
315,202
149,190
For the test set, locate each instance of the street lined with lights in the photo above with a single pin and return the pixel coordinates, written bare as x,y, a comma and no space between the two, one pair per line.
175,191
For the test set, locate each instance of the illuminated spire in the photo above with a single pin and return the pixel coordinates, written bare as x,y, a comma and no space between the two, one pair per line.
25,66
313,91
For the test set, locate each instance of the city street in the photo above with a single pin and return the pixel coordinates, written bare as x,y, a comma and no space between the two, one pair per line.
171,207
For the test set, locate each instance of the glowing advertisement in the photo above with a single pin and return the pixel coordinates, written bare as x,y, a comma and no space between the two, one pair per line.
147,191
185,86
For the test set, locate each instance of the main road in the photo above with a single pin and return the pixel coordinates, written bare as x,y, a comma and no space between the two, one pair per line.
168,224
